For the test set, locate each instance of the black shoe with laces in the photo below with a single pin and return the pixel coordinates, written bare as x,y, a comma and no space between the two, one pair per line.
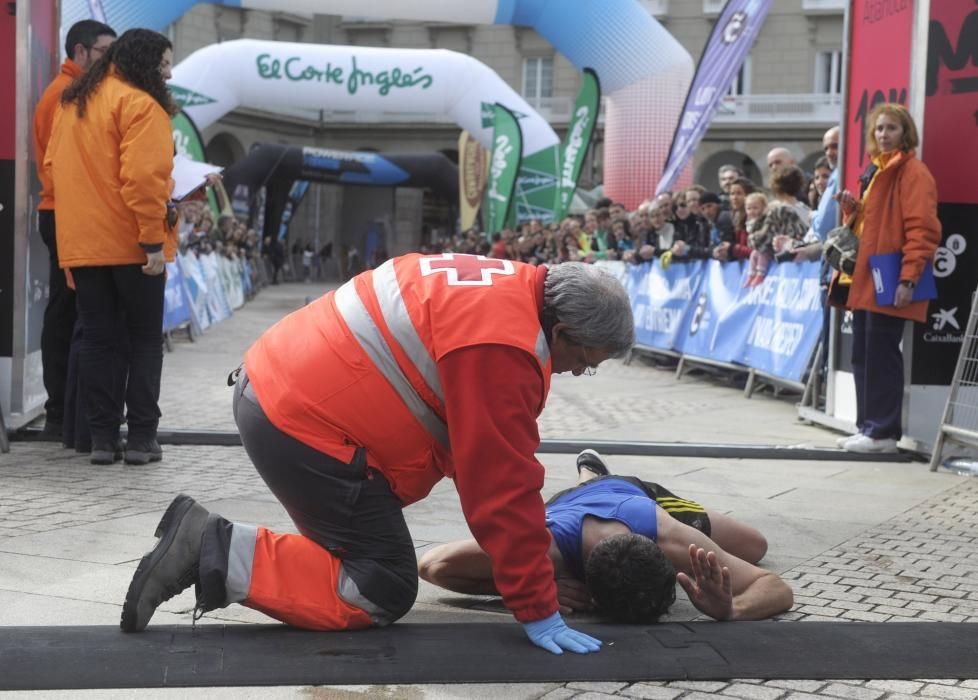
143,451
106,451
171,567
589,459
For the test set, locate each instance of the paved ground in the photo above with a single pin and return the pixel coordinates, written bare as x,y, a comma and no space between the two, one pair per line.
857,541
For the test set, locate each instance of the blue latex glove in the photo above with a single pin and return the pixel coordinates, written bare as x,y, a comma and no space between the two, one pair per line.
552,634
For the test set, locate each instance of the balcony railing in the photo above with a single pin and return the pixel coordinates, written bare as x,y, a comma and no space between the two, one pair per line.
711,8
656,8
824,6
774,109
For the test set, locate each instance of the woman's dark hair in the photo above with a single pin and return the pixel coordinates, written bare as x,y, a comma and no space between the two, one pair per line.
136,55
740,215
822,163
630,579
787,180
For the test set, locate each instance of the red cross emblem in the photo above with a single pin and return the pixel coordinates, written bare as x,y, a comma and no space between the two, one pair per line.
466,270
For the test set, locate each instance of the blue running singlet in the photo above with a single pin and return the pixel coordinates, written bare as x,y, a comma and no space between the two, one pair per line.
608,499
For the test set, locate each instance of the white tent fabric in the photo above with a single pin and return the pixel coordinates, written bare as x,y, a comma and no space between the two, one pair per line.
218,78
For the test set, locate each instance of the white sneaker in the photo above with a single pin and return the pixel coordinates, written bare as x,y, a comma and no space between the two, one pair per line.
866,445
841,442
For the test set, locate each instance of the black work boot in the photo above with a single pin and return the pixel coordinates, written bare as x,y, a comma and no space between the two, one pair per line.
106,451
170,567
143,451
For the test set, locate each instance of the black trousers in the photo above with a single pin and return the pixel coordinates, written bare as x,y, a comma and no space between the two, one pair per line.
877,366
104,295
348,509
59,322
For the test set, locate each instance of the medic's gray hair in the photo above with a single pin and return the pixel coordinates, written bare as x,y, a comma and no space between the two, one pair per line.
593,304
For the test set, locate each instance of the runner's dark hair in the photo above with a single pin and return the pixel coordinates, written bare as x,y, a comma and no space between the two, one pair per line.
630,579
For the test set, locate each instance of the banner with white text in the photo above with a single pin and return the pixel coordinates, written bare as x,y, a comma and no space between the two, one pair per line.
731,40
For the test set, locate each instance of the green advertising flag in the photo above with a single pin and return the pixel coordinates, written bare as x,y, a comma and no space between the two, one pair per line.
504,165
187,142
578,140
536,186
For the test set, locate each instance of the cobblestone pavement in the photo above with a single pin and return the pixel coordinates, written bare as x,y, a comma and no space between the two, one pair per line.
905,549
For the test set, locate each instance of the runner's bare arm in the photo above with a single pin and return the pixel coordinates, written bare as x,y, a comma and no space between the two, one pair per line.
719,584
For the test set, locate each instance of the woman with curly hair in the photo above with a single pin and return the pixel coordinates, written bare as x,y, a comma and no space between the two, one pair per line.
110,159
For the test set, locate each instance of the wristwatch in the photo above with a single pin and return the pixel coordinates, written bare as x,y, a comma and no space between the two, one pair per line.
907,283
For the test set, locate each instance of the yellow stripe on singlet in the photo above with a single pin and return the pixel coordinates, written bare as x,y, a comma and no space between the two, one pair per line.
680,505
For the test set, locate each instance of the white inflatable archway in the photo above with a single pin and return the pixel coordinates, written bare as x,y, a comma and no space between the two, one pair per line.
269,74
644,71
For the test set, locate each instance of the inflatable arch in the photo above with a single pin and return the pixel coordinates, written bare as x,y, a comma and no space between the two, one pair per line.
644,71
433,83
277,168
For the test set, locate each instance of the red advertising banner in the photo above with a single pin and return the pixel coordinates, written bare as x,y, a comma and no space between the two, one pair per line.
8,82
951,108
880,36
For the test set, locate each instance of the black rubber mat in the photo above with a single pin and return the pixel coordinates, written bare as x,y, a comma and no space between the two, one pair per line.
39,658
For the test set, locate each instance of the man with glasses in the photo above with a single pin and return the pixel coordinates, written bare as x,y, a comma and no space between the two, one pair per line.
86,42
356,405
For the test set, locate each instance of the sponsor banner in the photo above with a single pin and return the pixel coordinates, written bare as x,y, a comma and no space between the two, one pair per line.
218,308
536,186
702,309
661,301
879,71
296,193
786,320
430,83
196,286
176,306
504,164
714,326
473,163
578,140
937,342
951,99
729,43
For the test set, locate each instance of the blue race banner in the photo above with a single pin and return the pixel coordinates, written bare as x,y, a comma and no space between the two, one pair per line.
724,54
713,326
176,306
196,289
787,320
661,300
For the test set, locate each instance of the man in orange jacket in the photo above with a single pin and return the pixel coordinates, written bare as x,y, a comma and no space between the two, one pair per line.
110,159
358,404
86,42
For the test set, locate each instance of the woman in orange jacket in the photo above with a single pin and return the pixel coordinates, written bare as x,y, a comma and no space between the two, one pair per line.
110,159
897,214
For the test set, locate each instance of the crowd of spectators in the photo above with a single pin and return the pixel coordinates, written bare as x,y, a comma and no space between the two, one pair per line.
744,220
200,234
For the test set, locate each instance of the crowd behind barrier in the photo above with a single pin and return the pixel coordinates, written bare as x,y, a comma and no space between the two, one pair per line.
703,310
689,260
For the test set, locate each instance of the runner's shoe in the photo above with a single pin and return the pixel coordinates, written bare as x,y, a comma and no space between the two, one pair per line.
589,459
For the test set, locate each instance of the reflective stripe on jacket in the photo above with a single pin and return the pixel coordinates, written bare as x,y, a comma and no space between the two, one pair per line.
358,367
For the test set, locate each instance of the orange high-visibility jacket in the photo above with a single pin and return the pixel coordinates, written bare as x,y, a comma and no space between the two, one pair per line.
44,122
111,177
357,366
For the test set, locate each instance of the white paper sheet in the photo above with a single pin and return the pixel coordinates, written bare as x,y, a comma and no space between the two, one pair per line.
189,175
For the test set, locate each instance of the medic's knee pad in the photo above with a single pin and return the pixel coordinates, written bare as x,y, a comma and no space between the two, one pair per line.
384,589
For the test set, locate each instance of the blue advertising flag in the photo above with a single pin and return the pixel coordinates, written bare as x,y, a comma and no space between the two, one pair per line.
724,54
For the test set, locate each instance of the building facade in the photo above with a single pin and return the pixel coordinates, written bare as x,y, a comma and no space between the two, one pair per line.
787,94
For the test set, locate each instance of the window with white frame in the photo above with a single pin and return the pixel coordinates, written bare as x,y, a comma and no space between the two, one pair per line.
538,77
828,72
741,83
